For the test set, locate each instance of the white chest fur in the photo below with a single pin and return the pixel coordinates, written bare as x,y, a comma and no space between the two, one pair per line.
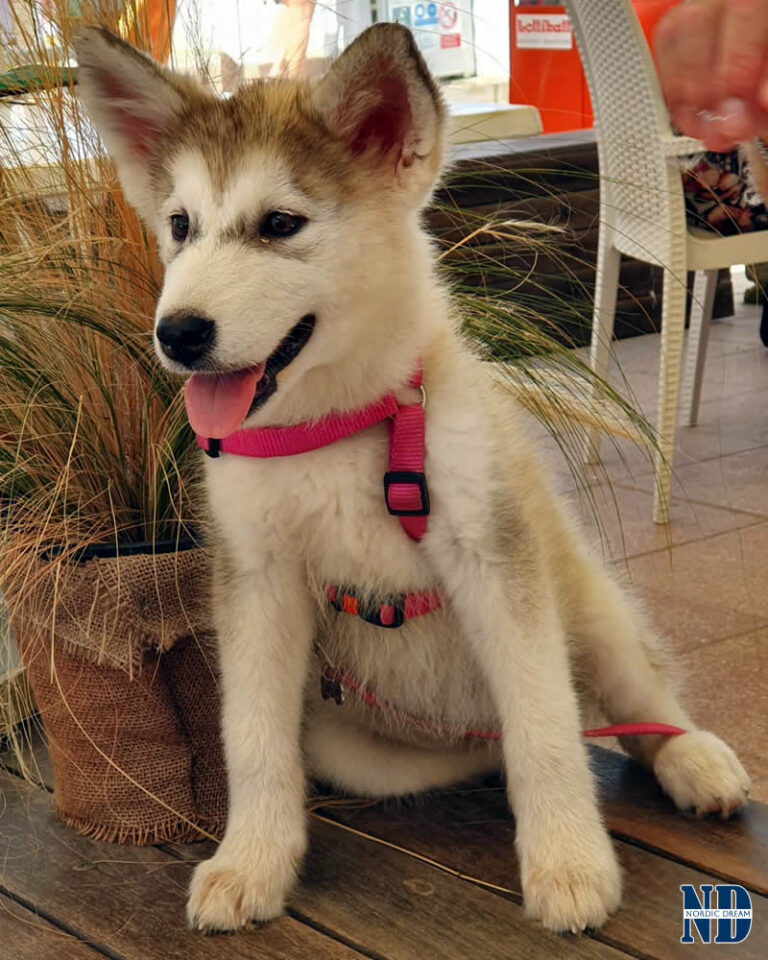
326,508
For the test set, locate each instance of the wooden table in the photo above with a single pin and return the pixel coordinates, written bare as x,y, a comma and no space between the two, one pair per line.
478,122
432,880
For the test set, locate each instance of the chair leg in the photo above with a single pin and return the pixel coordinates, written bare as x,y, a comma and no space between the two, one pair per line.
672,327
701,316
606,290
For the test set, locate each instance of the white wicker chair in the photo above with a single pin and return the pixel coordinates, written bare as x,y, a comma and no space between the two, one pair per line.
642,214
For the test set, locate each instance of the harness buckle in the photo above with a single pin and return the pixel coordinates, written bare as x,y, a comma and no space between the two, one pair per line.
213,448
373,614
411,478
344,601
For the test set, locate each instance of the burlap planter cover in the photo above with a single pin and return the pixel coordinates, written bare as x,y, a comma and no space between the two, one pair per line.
120,659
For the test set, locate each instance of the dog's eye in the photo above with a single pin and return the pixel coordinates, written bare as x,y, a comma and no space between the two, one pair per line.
179,226
277,225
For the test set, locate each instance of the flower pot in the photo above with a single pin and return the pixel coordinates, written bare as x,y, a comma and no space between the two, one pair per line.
118,648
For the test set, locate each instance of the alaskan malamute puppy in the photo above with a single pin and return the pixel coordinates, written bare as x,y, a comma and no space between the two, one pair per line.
299,286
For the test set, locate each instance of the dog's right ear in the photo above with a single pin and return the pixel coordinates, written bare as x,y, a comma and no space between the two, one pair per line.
132,101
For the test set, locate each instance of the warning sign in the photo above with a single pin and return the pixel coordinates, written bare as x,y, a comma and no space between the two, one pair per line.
543,31
442,29
447,14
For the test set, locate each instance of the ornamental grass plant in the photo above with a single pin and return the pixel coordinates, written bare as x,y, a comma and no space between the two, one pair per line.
95,451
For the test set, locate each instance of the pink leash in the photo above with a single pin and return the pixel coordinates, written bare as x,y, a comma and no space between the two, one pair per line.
335,679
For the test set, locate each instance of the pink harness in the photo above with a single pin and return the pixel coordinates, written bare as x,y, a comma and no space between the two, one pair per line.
405,486
406,496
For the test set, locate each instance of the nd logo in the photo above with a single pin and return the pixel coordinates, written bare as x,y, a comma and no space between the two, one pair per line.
732,913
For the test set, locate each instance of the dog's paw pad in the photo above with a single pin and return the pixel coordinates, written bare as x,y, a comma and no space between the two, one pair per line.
227,896
700,772
569,897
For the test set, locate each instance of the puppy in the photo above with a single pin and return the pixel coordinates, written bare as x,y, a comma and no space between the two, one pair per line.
299,286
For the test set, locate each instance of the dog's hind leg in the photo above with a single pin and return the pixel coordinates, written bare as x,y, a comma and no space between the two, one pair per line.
625,668
364,763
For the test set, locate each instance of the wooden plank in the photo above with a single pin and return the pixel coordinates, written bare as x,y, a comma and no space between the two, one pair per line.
404,909
636,808
472,832
408,910
651,919
466,830
129,899
33,938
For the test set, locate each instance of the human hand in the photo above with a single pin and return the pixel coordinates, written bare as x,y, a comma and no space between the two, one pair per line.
712,59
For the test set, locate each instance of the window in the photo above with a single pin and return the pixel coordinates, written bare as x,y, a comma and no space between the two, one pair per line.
465,42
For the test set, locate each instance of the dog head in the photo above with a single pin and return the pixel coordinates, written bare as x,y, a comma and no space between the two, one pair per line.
283,213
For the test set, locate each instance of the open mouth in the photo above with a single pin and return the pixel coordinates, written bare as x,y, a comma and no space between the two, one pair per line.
218,403
287,350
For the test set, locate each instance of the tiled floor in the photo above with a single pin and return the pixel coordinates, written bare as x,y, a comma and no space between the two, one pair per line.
704,577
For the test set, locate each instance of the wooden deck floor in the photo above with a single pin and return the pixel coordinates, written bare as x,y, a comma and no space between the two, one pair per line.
436,878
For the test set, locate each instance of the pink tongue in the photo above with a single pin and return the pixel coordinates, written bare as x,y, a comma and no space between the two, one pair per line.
217,405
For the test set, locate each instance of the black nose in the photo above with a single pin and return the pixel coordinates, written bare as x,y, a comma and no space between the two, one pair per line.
185,337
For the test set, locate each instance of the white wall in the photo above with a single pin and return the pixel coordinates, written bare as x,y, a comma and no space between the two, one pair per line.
492,37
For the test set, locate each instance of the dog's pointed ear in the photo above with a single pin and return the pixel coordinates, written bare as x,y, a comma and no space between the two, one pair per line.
381,101
132,102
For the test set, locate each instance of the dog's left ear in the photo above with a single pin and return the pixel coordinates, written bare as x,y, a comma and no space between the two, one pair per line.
380,100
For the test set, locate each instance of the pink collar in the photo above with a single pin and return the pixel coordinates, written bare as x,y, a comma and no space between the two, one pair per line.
405,486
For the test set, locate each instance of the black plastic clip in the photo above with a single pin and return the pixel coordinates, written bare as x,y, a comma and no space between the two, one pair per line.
411,478
330,686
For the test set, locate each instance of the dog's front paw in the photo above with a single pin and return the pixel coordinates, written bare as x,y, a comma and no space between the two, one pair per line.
573,885
227,892
698,771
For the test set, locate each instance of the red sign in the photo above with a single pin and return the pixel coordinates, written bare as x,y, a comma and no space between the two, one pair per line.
450,40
